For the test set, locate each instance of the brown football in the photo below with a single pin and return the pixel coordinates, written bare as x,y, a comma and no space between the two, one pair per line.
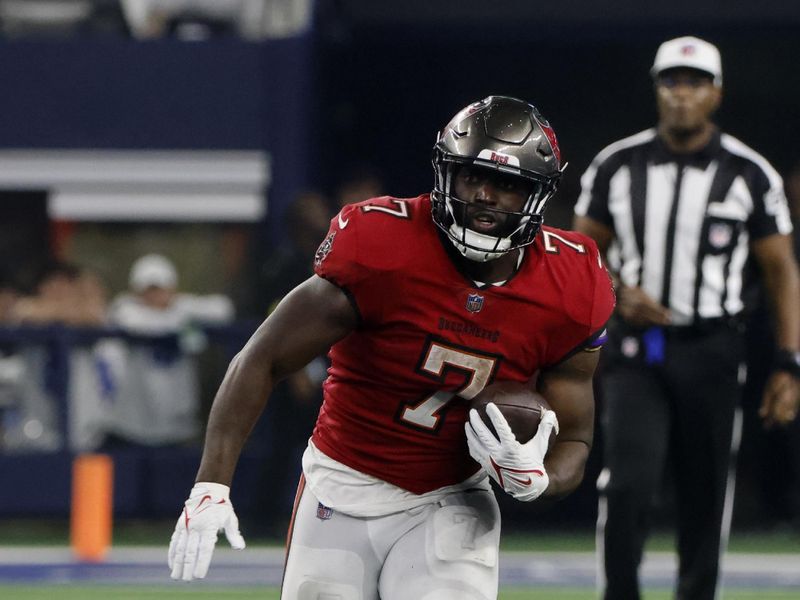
519,403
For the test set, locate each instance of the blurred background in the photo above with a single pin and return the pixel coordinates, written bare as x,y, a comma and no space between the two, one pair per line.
167,169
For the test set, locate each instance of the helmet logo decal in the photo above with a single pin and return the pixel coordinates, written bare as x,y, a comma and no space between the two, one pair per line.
551,137
548,132
498,157
474,303
324,249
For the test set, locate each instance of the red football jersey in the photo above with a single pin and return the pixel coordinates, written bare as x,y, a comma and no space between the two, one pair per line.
429,339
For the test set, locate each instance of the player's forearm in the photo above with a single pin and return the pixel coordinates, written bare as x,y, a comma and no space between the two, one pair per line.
568,388
565,464
239,402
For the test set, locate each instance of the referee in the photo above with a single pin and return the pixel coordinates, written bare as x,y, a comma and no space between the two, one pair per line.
680,209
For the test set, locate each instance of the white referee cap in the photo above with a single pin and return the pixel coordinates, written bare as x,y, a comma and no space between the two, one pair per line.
691,53
152,270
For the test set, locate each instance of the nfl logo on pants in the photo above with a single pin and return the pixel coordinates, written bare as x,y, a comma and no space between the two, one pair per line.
324,512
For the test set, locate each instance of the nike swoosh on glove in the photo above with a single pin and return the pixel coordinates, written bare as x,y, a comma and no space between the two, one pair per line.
517,468
207,510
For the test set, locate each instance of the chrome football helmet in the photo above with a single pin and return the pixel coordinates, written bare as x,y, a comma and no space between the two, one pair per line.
503,134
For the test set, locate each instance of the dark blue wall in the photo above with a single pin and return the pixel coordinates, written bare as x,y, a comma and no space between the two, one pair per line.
106,93
122,94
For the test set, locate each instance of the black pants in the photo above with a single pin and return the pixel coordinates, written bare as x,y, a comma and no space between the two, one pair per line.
669,404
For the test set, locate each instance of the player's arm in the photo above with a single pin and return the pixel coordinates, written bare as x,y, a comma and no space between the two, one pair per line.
568,389
532,470
775,257
304,325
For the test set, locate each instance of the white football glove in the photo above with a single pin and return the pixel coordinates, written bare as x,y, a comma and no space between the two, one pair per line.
207,510
517,468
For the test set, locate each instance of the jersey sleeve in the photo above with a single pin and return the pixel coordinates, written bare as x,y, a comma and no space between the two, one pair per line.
589,300
770,207
603,297
338,259
359,254
604,302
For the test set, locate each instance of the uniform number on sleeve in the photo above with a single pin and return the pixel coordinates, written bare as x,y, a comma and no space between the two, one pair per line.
438,361
552,246
400,212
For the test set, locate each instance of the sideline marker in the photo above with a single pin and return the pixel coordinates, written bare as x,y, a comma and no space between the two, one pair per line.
92,497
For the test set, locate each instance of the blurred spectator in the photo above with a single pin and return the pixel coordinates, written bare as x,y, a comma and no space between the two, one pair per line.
156,400
362,182
65,294
11,368
155,306
62,18
307,221
193,20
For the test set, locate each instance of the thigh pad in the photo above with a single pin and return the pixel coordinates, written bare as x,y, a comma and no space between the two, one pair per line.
323,574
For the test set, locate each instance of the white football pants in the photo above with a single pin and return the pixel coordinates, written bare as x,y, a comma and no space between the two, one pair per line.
447,550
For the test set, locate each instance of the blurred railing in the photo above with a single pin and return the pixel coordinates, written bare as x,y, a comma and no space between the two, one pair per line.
69,390
71,370
50,372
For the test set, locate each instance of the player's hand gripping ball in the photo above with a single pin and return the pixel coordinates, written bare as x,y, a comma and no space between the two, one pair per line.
521,406
512,452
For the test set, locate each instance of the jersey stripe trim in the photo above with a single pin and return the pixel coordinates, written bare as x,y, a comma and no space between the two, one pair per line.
301,486
589,344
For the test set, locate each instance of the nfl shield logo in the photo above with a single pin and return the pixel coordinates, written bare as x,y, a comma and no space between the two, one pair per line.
630,347
324,512
720,235
474,303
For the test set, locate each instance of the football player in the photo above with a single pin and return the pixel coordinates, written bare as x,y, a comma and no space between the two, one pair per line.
423,302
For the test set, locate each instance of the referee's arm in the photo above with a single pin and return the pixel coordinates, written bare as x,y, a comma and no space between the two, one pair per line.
633,304
601,233
775,257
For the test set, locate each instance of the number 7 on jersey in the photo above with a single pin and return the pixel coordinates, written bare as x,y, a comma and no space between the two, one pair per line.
438,360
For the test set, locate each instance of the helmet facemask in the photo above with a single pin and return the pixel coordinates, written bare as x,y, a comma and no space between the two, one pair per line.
507,136
518,228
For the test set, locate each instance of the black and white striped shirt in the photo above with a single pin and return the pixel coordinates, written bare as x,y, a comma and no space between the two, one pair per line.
683,223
